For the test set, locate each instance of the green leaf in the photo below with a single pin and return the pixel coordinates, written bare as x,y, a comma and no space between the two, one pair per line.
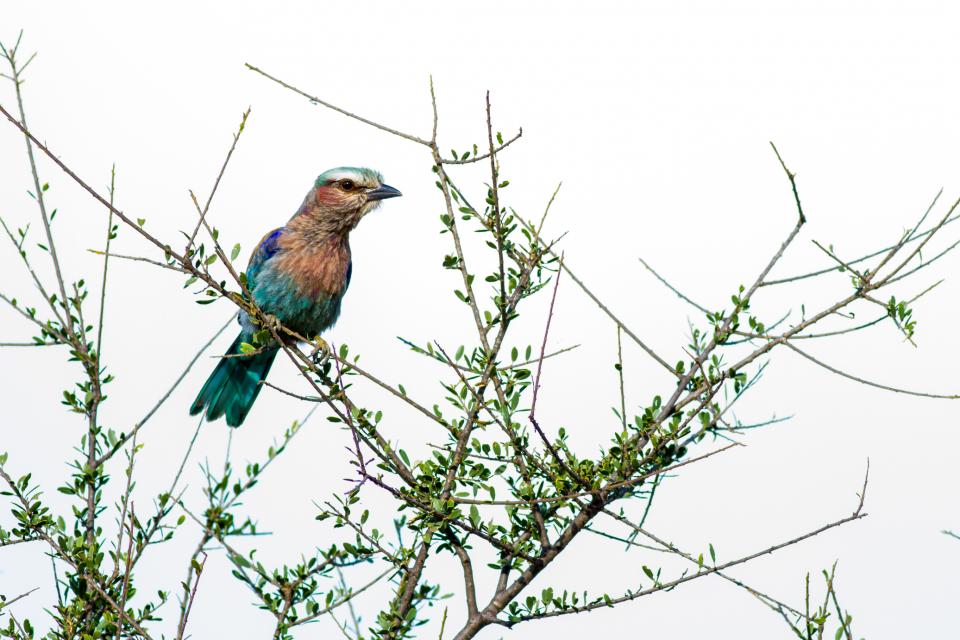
235,252
547,596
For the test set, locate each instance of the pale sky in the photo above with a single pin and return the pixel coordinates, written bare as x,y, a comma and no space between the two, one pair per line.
656,117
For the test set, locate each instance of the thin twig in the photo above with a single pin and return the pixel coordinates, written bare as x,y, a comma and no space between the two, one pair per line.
663,363
868,382
136,428
820,272
663,586
672,288
106,262
623,400
326,104
201,221
543,344
482,156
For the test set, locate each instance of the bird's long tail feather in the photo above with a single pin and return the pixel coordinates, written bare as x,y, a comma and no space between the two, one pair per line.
234,385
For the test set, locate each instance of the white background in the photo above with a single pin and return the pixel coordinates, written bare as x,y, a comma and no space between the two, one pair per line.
656,117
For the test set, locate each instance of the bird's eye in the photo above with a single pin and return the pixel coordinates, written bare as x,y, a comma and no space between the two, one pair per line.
346,185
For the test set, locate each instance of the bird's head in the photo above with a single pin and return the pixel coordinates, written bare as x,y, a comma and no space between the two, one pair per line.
344,195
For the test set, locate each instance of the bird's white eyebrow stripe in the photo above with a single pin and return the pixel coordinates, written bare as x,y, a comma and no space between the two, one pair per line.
362,177
340,175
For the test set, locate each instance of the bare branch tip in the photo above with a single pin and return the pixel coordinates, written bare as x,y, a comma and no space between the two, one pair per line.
793,184
863,491
780,158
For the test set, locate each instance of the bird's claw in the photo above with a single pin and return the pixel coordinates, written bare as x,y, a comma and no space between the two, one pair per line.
271,323
321,351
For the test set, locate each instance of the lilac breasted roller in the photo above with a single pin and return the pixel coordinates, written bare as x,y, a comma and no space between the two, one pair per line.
298,274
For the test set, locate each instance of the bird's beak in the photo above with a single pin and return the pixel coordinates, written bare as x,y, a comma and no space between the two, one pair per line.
382,192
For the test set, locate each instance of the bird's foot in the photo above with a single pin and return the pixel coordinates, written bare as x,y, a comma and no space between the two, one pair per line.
271,323
321,351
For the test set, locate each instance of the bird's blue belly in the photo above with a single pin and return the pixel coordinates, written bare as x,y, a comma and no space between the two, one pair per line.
308,315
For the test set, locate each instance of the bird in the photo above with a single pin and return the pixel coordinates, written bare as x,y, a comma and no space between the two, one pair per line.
297,276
